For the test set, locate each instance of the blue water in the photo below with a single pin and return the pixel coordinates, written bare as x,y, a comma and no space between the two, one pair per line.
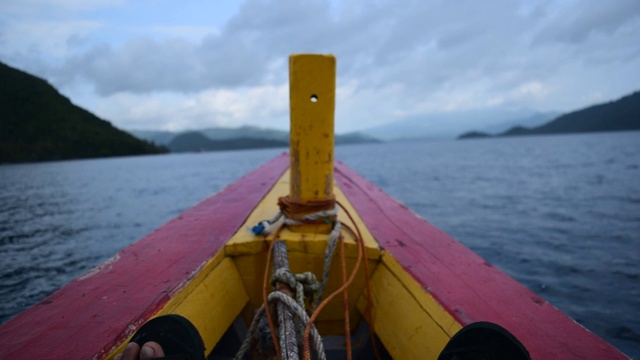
561,214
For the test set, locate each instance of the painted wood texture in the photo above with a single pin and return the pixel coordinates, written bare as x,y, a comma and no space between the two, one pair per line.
306,253
93,314
213,303
467,286
410,323
312,84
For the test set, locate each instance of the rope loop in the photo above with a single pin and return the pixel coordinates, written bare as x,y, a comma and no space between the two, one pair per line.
305,284
308,212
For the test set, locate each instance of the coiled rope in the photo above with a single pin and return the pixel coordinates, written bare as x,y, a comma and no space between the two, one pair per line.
305,286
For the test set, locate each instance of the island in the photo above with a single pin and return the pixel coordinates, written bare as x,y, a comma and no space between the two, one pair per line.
619,115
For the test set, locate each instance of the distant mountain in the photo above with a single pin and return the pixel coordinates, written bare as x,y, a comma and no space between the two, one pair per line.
530,121
446,124
155,136
619,115
196,141
474,135
355,138
260,136
165,137
245,132
37,123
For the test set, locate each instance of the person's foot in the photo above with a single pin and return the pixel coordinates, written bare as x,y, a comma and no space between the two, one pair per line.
167,335
149,350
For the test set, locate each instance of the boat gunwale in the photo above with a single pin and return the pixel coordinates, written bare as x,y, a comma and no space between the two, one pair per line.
467,286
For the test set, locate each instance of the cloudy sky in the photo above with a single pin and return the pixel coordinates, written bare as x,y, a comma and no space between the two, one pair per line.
175,65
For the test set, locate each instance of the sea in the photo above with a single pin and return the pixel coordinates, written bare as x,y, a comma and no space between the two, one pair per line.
559,213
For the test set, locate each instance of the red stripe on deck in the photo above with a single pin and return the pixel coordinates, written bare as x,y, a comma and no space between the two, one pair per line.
89,316
468,287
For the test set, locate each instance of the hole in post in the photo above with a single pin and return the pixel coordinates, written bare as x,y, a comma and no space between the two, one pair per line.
314,98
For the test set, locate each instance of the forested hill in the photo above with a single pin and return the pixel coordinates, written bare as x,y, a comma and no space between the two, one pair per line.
196,141
37,123
619,115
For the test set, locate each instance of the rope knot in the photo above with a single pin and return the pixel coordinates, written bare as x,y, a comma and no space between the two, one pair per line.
304,284
284,276
308,212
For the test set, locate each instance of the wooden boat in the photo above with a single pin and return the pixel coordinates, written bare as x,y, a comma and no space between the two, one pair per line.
418,289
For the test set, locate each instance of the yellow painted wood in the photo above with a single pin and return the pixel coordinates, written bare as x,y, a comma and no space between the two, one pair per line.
405,315
211,300
409,322
306,253
312,82
214,305
426,301
244,242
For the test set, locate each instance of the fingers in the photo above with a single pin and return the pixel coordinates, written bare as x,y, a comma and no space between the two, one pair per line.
151,350
133,351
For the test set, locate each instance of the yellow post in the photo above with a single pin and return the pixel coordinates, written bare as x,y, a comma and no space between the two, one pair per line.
312,82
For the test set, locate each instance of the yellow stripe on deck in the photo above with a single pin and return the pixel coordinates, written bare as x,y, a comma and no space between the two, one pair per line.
409,322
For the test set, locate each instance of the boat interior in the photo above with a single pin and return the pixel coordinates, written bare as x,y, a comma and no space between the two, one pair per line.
224,296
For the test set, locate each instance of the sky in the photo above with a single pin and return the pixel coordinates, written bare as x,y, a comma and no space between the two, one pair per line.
184,65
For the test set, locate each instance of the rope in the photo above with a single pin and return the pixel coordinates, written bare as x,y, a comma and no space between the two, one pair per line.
264,227
253,329
296,310
287,328
272,326
308,212
369,315
334,236
307,330
302,315
287,347
345,300
306,284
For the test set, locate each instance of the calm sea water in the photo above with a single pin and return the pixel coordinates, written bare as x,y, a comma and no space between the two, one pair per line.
561,214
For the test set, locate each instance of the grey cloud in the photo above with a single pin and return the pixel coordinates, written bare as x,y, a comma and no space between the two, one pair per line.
422,45
146,65
583,20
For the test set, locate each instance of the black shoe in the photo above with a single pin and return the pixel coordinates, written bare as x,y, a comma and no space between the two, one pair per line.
484,341
178,337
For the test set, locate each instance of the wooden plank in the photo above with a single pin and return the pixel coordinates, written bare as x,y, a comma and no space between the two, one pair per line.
212,301
467,286
95,313
306,253
441,317
401,321
245,243
214,305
